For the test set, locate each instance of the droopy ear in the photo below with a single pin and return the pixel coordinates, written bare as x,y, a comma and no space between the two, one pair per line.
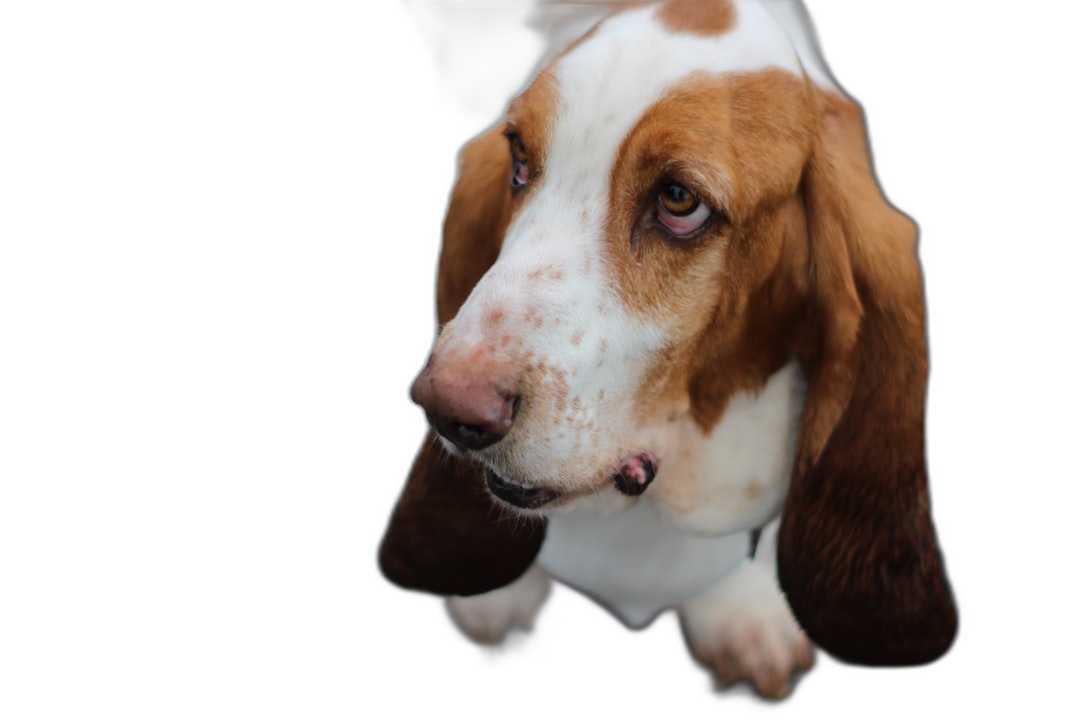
858,556
445,535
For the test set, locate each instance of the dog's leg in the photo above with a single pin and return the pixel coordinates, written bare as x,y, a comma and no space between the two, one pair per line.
742,629
487,618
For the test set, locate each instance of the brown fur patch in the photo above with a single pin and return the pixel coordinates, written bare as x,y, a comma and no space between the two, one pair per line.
475,222
812,263
731,294
530,117
447,537
697,17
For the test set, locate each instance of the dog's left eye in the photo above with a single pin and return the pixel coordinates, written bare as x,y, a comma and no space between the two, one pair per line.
520,157
679,210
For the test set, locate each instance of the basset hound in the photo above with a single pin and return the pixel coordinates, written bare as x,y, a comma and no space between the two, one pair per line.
682,360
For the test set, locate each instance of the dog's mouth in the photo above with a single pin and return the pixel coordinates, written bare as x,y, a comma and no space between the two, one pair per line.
632,478
518,495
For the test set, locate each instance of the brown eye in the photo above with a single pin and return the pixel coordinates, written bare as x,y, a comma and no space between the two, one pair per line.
520,174
679,210
677,200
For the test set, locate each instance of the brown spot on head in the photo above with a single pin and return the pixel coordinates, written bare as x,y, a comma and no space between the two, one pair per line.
697,17
577,337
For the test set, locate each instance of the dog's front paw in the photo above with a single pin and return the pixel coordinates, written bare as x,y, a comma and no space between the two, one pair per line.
742,629
487,618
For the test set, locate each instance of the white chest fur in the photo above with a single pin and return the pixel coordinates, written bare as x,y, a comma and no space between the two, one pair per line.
693,524
634,563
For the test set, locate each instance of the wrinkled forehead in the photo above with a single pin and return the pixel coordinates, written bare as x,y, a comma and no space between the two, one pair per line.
594,94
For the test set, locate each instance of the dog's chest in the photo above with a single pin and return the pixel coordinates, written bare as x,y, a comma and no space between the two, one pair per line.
693,524
632,563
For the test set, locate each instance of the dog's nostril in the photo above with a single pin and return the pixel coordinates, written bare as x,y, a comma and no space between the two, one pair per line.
515,405
467,435
472,435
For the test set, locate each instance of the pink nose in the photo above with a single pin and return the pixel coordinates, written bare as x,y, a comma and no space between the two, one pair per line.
468,410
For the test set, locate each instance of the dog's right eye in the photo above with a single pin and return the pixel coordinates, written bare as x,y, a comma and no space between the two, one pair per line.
520,174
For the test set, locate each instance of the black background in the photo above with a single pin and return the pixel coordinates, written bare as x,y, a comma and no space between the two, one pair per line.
441,73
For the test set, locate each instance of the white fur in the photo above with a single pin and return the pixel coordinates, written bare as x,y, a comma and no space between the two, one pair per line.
655,556
736,477
792,16
742,629
487,618
561,22
632,562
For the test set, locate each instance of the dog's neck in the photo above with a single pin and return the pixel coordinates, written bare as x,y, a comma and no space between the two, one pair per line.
734,478
695,523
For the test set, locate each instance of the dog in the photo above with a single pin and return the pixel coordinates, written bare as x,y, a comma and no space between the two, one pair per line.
682,360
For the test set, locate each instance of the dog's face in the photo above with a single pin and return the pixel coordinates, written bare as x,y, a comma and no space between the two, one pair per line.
652,184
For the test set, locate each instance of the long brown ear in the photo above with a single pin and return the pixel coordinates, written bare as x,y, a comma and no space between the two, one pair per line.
858,556
445,535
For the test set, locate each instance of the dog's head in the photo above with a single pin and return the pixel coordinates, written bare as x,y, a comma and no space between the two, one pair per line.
673,211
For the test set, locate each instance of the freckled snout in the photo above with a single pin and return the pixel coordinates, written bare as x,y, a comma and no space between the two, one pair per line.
464,404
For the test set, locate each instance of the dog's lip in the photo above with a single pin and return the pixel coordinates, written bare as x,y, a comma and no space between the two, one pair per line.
517,495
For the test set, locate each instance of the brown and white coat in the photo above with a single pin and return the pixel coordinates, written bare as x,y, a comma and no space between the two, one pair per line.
680,322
